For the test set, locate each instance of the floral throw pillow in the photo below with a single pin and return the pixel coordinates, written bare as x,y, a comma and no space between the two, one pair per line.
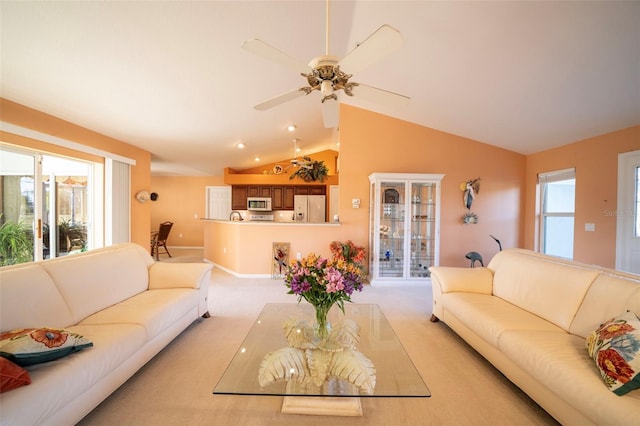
615,347
37,345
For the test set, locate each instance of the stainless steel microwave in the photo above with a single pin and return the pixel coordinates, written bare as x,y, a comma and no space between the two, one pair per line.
259,204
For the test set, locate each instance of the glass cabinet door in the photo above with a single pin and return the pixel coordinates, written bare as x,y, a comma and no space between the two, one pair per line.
422,228
392,229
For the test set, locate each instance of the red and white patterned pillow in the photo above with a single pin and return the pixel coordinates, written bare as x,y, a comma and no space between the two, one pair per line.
615,347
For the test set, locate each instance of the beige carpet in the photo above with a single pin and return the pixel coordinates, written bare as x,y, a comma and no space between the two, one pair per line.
175,388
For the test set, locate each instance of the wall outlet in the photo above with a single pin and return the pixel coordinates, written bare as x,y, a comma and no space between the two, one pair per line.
590,227
298,255
355,203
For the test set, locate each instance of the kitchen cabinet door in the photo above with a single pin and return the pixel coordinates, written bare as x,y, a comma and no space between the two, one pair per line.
317,190
288,197
253,191
264,191
277,197
239,197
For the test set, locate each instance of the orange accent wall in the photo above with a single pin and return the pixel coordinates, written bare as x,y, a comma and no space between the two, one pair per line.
596,163
371,142
20,115
180,198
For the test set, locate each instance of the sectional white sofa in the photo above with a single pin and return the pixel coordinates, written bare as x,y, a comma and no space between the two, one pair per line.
530,316
127,305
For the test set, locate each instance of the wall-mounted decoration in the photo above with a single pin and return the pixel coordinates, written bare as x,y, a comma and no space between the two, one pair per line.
143,196
470,217
280,260
470,189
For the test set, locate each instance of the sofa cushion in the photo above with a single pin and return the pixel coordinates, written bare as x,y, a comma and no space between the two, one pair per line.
12,376
37,345
155,310
615,346
490,316
28,288
95,280
54,385
474,280
560,361
522,279
609,295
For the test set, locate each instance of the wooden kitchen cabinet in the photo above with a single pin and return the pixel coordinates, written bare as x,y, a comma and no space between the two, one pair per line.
282,197
259,191
277,197
288,197
317,190
238,197
253,191
311,190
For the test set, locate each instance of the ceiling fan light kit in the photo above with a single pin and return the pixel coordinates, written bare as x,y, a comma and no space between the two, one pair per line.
324,73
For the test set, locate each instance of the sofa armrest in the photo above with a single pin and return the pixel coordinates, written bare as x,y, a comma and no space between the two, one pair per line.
470,280
177,275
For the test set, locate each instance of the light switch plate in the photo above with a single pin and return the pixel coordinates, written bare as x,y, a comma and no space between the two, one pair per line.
590,227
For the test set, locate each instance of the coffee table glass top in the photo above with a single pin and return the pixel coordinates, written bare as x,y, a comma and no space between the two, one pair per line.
396,376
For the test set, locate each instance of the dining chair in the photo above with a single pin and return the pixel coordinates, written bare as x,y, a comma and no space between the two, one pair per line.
159,239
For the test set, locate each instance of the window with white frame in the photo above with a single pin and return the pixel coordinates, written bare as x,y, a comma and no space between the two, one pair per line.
557,211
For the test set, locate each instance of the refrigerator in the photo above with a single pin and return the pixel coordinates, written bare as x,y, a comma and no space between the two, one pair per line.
309,208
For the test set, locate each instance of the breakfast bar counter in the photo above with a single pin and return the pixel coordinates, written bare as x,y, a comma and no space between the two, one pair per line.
245,248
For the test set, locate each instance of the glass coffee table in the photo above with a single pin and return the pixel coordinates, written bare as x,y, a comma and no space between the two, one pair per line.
395,374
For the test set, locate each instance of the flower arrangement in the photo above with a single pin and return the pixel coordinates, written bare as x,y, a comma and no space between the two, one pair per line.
324,282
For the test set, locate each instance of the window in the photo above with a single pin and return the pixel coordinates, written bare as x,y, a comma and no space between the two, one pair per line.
45,206
557,211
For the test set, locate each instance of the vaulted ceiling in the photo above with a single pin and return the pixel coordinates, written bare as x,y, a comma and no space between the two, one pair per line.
171,77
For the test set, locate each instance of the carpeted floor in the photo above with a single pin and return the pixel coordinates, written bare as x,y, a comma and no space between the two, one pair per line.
175,388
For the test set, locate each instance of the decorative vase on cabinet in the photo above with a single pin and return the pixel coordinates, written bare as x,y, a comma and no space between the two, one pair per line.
404,227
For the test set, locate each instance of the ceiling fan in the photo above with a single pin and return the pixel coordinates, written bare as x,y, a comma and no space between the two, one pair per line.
304,163
325,74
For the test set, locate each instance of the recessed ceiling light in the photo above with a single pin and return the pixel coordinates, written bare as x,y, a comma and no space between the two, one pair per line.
240,145
257,159
291,128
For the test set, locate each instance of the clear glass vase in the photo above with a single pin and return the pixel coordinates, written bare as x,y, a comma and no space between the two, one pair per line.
322,327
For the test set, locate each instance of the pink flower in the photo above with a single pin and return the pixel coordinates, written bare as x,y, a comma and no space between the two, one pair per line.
335,281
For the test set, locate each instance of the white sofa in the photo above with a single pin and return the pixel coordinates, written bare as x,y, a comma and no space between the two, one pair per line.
127,305
529,315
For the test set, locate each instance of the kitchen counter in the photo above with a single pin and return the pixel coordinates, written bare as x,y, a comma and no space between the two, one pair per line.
271,222
245,248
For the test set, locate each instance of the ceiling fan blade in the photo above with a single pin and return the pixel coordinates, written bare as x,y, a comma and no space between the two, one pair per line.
269,52
280,99
331,113
384,41
379,96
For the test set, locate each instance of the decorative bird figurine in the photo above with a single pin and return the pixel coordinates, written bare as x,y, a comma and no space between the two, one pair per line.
472,188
